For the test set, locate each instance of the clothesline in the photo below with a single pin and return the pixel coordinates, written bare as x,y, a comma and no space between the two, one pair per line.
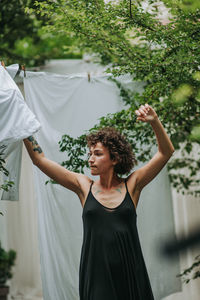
23,68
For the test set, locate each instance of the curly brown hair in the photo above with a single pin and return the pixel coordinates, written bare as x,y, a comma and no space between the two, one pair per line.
119,148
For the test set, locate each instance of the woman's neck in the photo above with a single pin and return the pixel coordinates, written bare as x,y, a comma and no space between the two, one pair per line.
107,181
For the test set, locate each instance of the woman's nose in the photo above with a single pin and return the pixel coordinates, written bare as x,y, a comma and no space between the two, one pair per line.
91,158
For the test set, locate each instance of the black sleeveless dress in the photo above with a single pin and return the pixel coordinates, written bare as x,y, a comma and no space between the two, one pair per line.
111,264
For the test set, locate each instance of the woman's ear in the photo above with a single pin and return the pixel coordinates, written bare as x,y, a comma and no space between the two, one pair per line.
115,159
114,162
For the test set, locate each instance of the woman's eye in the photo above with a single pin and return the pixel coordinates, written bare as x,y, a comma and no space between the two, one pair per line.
95,154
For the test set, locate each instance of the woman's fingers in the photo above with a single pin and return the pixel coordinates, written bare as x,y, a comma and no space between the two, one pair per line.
142,112
145,113
144,109
137,112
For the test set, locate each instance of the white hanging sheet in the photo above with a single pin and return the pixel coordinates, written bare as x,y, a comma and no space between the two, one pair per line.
16,123
71,105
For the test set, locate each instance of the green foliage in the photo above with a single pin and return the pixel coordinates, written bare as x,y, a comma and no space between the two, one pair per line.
187,5
165,57
7,184
23,40
77,149
7,260
195,269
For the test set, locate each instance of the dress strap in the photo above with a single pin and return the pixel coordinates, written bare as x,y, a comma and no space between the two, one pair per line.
125,181
91,185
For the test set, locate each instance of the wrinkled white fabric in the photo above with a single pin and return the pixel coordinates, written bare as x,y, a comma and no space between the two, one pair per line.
71,105
16,119
13,70
16,123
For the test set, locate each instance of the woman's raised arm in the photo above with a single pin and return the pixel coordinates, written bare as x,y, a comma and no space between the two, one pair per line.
149,171
71,180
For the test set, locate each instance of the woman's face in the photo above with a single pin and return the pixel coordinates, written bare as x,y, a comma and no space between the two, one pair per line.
99,160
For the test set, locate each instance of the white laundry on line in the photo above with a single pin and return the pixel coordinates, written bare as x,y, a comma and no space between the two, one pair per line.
16,123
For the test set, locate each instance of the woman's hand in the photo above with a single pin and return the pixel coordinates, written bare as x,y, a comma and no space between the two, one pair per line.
146,113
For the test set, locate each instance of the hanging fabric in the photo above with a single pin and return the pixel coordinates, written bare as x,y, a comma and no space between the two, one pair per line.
16,123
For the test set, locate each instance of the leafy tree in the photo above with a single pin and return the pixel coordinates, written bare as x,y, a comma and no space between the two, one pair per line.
164,56
21,37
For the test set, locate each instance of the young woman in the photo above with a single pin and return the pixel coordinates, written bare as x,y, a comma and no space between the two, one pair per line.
112,265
